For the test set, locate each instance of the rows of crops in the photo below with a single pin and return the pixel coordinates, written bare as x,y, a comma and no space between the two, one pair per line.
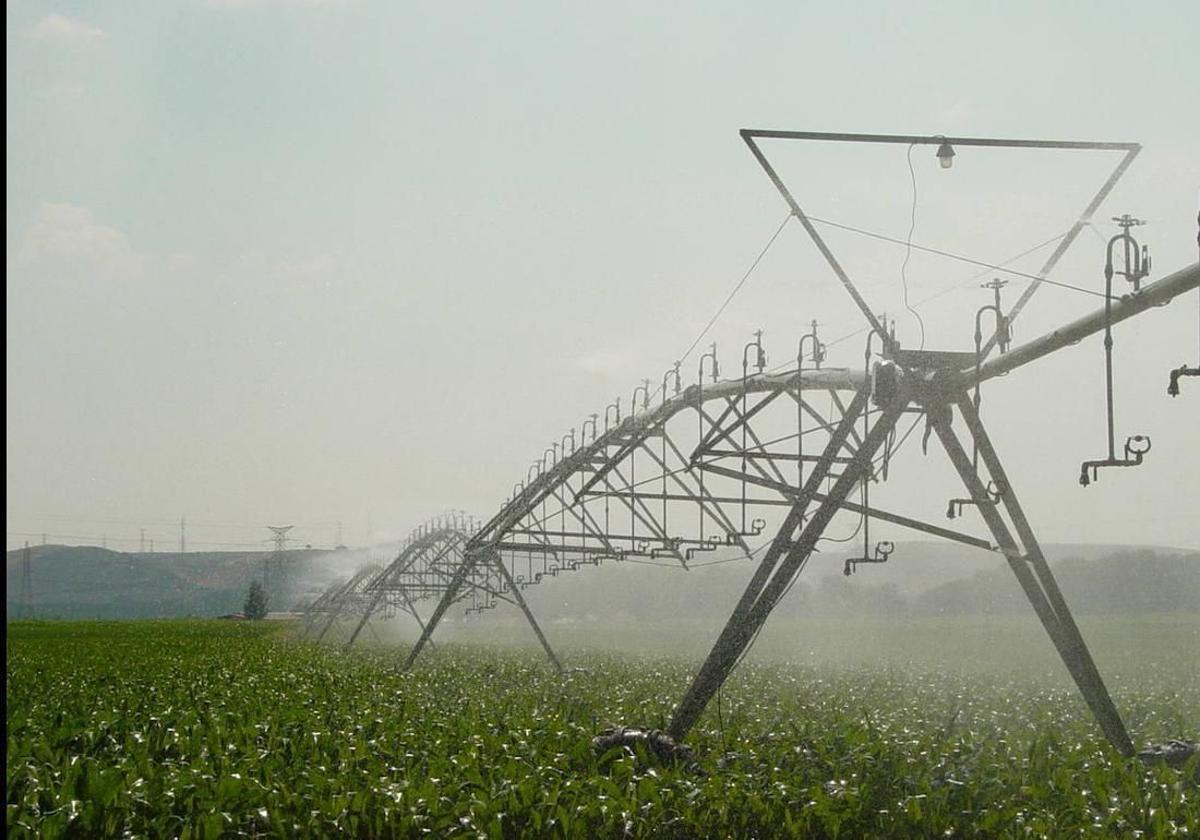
196,729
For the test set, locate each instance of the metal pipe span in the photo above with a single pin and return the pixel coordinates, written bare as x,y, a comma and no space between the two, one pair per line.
1157,293
638,425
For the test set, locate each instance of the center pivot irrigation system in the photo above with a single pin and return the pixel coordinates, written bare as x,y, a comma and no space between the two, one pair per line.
688,469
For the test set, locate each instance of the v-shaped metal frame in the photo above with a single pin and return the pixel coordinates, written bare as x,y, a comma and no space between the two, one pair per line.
751,136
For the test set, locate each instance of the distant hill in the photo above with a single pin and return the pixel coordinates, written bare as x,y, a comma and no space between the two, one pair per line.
922,578
1126,581
89,582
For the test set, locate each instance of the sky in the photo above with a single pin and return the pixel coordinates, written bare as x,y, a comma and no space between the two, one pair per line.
301,262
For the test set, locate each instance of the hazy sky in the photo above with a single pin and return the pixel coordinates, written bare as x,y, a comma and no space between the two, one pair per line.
300,262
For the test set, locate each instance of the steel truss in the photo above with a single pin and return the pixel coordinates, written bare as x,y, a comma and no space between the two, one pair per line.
426,567
709,466
690,480
703,471
339,600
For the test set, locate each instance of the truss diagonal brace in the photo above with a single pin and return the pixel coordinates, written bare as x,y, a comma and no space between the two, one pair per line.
755,606
374,605
495,558
471,557
363,619
336,605
448,597
788,491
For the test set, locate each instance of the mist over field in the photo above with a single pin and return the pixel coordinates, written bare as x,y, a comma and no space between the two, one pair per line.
615,599
613,420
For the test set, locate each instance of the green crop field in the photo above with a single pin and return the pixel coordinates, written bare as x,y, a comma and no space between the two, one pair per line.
210,729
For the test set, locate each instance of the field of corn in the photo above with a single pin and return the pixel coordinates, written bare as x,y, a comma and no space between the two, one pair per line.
210,729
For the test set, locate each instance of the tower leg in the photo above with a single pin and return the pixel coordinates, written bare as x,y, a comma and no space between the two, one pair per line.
310,618
362,622
412,608
470,558
372,606
333,616
520,599
448,598
754,608
1029,564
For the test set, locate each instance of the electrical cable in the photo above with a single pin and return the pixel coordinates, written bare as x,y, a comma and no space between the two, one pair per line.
853,534
653,563
130,540
912,226
748,556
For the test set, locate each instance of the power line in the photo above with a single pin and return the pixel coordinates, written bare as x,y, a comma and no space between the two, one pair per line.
102,539
156,521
